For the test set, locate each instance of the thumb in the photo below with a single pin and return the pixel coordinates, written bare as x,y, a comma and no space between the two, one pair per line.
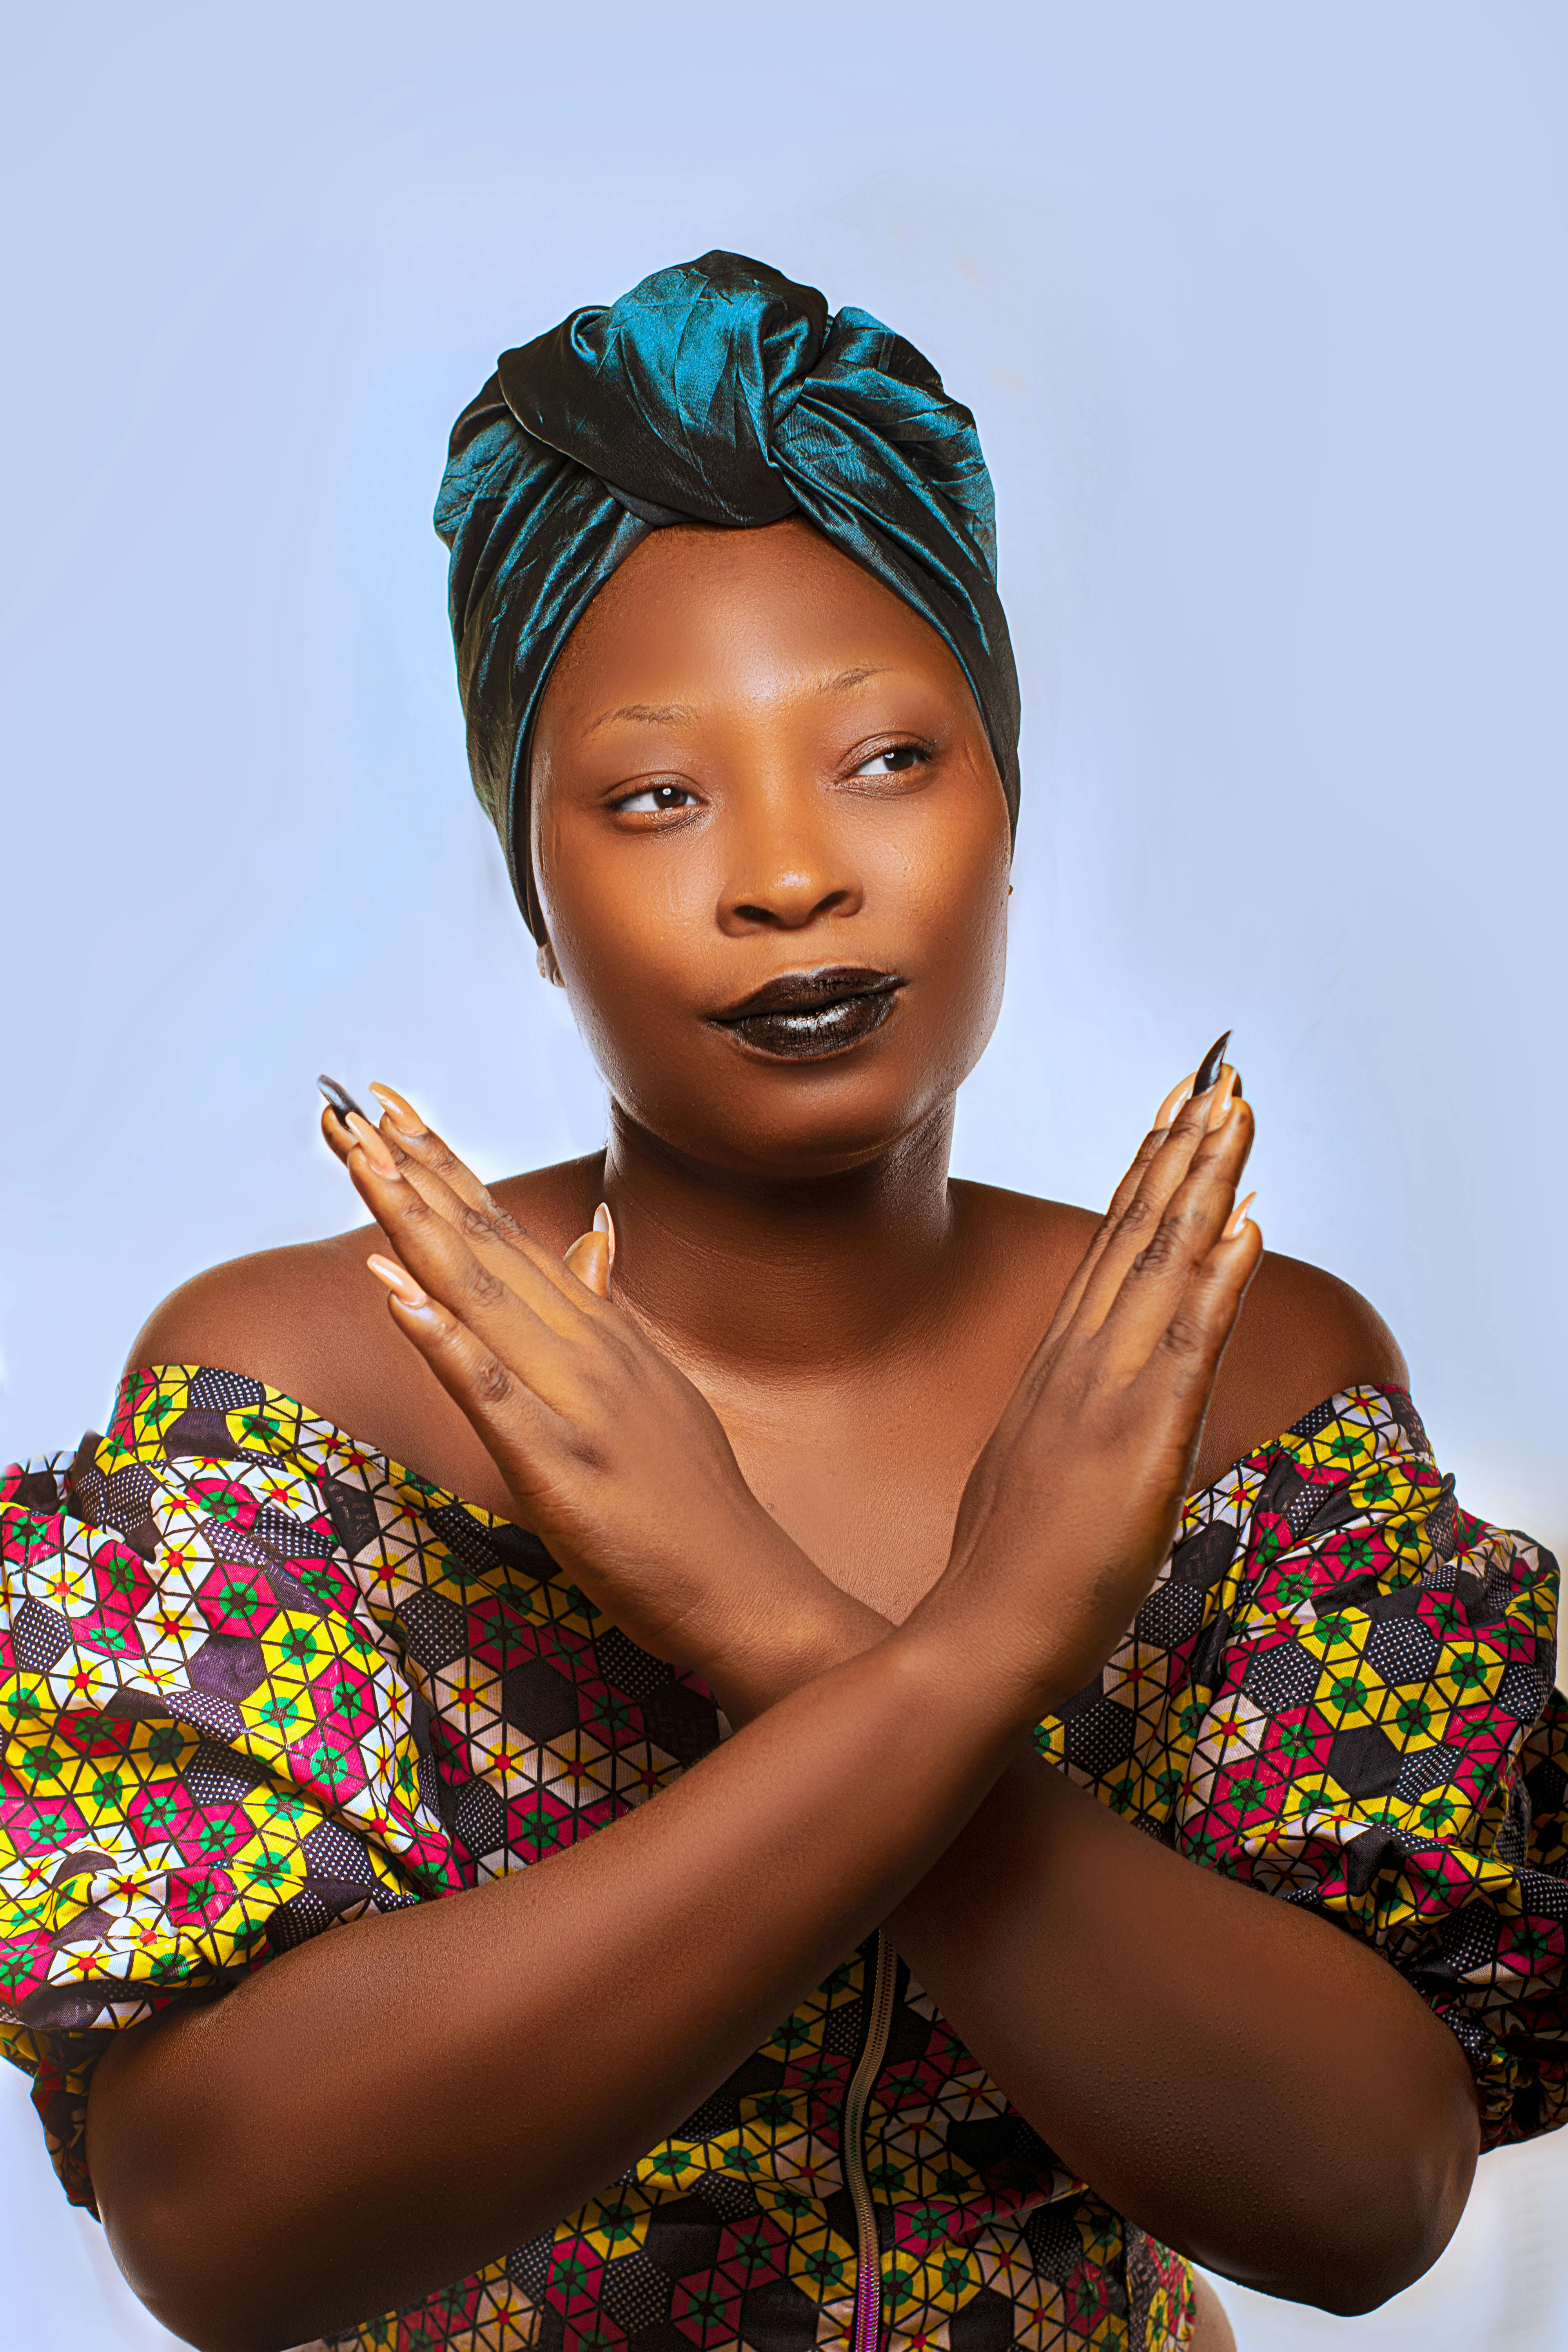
592,1255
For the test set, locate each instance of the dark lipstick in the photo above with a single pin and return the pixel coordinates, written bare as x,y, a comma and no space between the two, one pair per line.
802,1016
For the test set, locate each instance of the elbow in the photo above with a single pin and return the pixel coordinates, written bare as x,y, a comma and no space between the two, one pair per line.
183,2282
1389,2222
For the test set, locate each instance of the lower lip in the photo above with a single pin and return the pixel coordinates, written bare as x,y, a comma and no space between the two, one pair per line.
812,1032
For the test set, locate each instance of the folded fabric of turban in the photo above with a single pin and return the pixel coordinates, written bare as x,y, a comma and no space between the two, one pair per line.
716,392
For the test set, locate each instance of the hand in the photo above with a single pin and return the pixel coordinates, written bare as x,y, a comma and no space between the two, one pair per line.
1074,1503
611,1455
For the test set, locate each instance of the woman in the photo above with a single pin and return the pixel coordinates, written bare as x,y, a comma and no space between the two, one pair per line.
1020,1605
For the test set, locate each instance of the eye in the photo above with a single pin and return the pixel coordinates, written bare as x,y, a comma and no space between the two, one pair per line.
656,800
894,760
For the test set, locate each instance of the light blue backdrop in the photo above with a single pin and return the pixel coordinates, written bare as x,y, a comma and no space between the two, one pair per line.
1262,314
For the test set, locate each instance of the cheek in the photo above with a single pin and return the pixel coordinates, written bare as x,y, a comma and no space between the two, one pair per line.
627,955
954,891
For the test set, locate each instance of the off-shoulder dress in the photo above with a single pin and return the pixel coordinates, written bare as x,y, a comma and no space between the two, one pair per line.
256,1679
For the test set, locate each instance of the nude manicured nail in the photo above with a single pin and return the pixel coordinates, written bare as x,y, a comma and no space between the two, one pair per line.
605,1224
1173,1101
402,1115
1226,1093
398,1280
1237,1218
373,1145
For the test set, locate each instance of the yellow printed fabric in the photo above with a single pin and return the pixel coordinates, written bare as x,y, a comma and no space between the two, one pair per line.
255,1679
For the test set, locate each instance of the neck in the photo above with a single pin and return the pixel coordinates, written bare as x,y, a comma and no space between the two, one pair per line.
739,1273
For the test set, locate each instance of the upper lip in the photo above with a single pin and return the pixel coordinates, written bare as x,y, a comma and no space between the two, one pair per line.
797,992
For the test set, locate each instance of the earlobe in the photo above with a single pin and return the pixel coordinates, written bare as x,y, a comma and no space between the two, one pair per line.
548,968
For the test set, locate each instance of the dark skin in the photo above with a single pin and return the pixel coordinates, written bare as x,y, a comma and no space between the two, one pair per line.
811,1445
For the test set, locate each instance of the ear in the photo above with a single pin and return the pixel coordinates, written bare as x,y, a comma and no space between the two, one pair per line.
548,968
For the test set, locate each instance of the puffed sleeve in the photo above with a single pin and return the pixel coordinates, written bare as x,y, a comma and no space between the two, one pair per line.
207,1753
1341,1692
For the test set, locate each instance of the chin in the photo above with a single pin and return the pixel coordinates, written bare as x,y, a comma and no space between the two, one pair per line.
797,1121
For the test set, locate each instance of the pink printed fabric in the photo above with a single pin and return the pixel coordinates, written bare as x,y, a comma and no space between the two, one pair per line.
255,1680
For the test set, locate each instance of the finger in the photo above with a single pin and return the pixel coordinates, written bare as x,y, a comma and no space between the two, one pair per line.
1165,1118
337,1135
1154,1287
407,1130
1178,1379
523,1265
532,1320
450,1184
512,1422
1133,1224
589,1259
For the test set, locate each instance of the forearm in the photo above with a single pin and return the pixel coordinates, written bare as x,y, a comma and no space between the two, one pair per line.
1250,2085
1210,2029
406,2098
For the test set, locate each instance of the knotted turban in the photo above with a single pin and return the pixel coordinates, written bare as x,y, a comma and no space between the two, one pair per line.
716,392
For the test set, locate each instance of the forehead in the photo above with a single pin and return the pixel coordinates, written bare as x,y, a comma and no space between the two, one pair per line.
719,611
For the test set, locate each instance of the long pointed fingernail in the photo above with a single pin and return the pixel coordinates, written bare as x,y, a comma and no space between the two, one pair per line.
1237,1218
398,1280
402,1115
373,1145
1173,1102
1210,1065
339,1098
605,1224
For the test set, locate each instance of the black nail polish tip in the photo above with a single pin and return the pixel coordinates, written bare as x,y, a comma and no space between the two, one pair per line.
339,1099
1210,1065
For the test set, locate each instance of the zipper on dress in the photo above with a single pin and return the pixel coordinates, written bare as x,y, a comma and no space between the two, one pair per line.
852,2141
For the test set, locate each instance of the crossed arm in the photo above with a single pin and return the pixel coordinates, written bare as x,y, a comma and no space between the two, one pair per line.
398,2103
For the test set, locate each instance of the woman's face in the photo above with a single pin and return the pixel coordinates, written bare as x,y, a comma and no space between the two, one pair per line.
772,848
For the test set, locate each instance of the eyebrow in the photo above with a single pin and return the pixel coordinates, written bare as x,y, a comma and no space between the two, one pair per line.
672,714
645,714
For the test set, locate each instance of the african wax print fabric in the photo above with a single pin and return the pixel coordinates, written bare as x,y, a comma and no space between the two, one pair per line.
257,1679
715,392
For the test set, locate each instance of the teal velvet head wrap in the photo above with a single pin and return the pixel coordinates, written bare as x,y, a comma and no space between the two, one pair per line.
716,392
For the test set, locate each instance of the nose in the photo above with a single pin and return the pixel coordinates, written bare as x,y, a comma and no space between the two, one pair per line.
790,868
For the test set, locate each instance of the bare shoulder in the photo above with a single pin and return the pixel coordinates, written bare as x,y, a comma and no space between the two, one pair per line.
1302,1335
289,1316
312,1321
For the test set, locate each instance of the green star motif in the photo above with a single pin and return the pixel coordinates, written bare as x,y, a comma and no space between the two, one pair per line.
618,2221
707,2304
281,1711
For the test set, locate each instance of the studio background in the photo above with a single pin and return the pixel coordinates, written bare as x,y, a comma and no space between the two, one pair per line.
1261,313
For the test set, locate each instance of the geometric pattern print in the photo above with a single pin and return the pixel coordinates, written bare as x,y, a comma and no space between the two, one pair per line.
1341,1691
255,1679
